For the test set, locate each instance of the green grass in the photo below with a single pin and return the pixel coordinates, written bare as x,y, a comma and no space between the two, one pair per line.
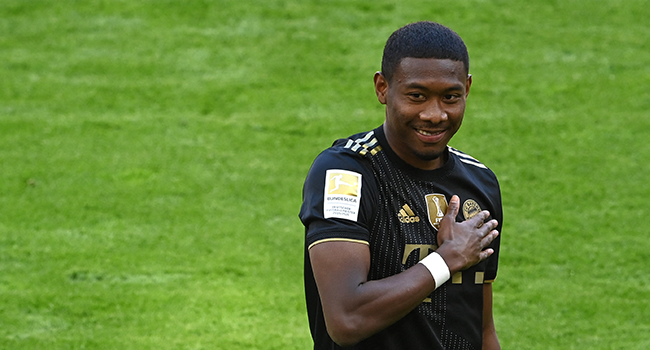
152,155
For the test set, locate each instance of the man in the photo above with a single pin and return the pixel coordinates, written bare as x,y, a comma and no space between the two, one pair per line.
401,229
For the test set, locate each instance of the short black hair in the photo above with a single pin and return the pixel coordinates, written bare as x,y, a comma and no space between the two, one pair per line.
422,40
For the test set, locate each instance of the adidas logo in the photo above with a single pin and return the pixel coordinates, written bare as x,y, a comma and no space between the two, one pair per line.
407,216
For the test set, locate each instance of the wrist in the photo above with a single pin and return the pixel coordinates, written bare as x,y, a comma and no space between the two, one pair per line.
455,261
437,267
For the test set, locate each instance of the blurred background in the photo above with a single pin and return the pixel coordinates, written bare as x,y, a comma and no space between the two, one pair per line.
152,155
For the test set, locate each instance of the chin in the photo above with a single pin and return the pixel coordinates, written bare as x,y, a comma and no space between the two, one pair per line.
428,156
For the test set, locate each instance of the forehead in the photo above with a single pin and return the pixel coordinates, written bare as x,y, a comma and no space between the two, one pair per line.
429,70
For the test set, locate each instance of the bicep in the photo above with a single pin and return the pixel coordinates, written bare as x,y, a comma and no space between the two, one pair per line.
339,268
354,308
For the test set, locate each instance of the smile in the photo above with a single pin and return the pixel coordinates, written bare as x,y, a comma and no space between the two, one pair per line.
430,136
428,133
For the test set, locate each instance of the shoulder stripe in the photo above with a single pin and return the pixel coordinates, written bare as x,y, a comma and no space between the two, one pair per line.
473,163
365,144
338,240
461,154
467,159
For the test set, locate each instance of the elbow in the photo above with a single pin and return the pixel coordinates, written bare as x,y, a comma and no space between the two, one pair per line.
346,332
344,338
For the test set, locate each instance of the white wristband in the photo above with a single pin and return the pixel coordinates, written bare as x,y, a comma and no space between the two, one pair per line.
437,267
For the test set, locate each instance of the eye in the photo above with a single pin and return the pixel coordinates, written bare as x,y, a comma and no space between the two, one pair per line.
451,98
416,96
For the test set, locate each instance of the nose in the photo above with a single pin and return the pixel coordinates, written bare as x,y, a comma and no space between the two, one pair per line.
434,113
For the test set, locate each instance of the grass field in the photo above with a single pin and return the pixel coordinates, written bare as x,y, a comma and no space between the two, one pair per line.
152,155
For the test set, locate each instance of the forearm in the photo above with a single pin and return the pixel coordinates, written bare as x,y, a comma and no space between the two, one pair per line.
372,306
355,308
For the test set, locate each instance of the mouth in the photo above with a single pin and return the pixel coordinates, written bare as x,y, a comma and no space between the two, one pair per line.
430,136
428,133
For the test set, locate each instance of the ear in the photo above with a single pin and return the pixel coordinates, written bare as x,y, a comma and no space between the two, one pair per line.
469,83
381,87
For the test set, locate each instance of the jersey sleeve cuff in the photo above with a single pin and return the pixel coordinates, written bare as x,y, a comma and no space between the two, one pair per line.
338,240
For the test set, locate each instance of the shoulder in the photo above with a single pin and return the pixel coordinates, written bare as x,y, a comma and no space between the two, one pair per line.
339,191
466,158
347,161
349,154
470,163
468,168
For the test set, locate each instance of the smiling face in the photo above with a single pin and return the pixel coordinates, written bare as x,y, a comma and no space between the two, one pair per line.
425,104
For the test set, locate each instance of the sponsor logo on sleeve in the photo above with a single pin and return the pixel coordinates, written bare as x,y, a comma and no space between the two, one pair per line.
342,194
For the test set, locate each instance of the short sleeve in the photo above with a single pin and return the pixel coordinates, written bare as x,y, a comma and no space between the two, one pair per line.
493,260
338,197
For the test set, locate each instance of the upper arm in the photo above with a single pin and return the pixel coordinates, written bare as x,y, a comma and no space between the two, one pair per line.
339,268
354,307
490,339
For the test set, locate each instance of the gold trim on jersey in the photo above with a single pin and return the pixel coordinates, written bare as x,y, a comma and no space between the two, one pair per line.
368,143
338,240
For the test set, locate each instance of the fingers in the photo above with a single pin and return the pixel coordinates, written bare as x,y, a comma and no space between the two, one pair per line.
489,238
490,225
478,219
486,254
490,235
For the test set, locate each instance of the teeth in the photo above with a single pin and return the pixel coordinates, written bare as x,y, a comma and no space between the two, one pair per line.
427,133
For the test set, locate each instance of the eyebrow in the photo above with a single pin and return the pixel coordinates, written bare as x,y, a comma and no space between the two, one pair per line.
423,87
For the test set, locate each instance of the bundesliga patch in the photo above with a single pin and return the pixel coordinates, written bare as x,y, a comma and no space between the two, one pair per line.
342,194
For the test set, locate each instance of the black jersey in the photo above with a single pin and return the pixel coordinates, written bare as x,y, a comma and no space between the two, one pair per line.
360,190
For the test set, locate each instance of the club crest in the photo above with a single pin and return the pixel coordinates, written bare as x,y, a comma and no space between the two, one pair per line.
470,209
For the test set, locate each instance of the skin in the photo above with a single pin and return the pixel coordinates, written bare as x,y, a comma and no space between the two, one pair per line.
425,104
490,339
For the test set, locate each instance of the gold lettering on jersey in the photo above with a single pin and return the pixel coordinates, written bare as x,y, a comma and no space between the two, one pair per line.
407,216
470,209
424,250
479,277
436,207
457,278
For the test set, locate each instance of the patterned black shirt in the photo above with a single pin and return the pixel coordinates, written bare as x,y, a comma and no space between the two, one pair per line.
360,190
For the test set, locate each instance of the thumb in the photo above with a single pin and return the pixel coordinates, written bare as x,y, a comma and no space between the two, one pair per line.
452,208
444,232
